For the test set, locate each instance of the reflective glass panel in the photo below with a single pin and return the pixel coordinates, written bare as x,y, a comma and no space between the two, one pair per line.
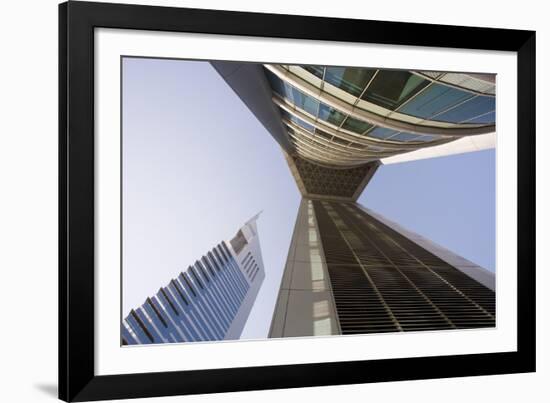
305,102
470,109
426,138
330,115
315,70
487,118
323,134
381,133
276,83
434,99
404,137
302,124
338,140
355,125
297,121
298,98
357,146
350,79
390,88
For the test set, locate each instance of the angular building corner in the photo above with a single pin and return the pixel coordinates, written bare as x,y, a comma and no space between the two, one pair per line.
211,300
349,270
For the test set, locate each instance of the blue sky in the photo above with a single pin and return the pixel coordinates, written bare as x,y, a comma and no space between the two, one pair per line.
450,200
197,165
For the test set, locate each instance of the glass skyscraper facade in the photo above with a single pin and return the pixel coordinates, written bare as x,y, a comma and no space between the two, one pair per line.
350,270
209,301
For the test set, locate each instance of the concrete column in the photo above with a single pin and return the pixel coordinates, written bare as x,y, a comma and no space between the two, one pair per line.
305,306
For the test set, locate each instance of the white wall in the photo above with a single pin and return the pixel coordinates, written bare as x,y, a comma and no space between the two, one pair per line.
28,213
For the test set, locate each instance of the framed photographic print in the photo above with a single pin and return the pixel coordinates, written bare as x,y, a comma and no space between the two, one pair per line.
255,201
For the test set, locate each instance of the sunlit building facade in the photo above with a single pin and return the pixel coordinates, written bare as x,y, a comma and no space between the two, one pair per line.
211,300
349,270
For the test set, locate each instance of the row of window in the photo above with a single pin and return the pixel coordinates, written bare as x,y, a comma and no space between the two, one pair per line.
392,88
200,304
254,273
250,267
376,132
395,90
314,149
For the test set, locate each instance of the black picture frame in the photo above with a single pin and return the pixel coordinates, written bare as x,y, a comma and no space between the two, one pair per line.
77,21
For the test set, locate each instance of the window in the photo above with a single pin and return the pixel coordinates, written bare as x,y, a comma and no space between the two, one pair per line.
276,83
434,99
426,138
355,125
404,137
297,121
350,79
479,105
390,88
381,133
340,141
304,102
330,115
315,70
357,146
487,118
323,134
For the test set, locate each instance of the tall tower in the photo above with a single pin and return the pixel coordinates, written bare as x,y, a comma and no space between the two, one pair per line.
349,270
211,300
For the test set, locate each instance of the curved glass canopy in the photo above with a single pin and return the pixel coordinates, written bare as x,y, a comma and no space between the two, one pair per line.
348,116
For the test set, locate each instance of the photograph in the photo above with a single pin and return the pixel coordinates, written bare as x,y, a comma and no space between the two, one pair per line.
271,202
262,200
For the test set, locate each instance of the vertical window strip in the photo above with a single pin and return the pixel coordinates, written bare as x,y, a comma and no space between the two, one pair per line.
128,329
163,291
141,325
235,286
187,281
248,255
180,293
211,308
216,304
255,273
192,312
192,316
202,302
238,277
228,267
151,326
198,265
221,284
203,325
196,277
217,289
222,248
173,327
148,301
232,286
153,316
250,269
208,267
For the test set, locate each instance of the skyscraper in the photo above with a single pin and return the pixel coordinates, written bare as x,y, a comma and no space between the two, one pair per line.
349,270
211,300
